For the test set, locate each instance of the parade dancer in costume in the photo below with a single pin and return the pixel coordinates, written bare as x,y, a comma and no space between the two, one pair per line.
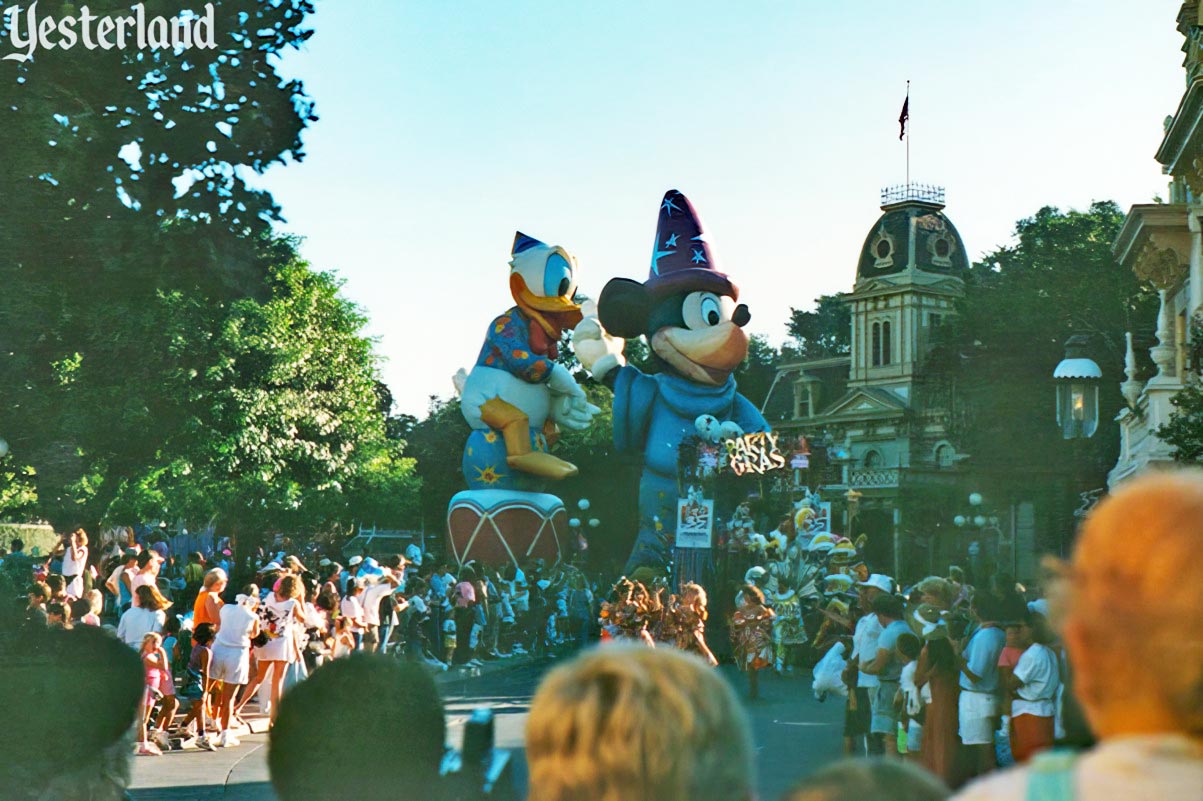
690,622
517,389
687,311
752,636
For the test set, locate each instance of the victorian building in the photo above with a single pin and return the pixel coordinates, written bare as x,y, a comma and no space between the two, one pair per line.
887,435
1163,244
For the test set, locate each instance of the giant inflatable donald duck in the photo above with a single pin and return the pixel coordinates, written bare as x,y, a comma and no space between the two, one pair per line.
517,396
516,399
687,311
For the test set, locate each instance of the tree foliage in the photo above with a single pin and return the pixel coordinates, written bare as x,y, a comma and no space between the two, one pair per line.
161,353
1021,303
823,332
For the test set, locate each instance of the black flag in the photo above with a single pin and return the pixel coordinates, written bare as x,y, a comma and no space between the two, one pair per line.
904,116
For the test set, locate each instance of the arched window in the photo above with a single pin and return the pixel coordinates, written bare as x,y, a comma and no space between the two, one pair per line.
872,459
876,344
886,348
944,454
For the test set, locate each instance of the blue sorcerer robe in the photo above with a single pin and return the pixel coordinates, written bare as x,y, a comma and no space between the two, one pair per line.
653,414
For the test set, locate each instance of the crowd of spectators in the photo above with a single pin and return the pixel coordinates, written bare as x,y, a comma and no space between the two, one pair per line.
625,722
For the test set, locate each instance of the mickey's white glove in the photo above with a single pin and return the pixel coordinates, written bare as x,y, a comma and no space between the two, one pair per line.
572,412
561,382
597,350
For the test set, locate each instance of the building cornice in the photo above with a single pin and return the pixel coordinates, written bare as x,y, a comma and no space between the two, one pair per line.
1154,243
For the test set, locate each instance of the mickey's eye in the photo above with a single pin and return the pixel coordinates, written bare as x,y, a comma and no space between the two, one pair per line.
706,309
557,277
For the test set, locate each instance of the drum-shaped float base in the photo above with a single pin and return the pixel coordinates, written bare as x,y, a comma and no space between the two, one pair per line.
505,527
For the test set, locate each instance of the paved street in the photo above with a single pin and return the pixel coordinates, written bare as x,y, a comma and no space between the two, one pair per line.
794,735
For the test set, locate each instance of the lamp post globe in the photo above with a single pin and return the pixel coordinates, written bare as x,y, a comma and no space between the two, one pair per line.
1077,378
979,521
975,499
959,521
3,448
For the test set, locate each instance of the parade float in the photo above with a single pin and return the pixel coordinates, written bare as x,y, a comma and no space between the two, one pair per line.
516,399
687,311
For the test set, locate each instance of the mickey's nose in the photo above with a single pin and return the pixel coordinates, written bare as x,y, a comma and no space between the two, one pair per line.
742,315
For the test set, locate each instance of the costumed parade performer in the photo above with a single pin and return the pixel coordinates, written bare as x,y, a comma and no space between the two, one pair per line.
516,400
752,636
687,311
690,622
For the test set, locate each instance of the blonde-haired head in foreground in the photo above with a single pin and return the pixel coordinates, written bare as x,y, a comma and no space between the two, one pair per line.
1136,608
630,723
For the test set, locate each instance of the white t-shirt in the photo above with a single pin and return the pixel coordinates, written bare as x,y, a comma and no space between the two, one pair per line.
1037,668
371,602
137,622
864,648
352,609
418,605
237,622
914,699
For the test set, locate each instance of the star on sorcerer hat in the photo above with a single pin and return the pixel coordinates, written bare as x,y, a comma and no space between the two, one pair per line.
681,256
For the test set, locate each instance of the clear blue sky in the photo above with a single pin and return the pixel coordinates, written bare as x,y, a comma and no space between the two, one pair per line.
445,126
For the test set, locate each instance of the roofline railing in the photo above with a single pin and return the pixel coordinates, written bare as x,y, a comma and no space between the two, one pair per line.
923,193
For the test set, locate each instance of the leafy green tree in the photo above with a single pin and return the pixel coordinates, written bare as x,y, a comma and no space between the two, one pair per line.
283,427
823,332
998,352
123,174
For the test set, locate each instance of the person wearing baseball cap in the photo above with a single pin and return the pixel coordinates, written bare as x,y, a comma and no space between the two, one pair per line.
859,733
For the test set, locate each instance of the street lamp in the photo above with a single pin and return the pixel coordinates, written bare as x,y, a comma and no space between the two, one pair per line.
1077,378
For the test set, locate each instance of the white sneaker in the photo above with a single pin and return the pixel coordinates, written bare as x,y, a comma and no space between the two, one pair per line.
206,743
189,742
148,748
228,740
162,740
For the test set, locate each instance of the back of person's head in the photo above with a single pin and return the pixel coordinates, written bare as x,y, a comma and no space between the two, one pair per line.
940,591
56,583
80,607
150,598
40,590
17,545
626,722
86,678
869,780
366,727
213,577
889,605
1136,588
144,557
204,634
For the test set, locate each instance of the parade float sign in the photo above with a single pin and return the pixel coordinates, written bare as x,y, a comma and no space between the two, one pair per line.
755,453
695,523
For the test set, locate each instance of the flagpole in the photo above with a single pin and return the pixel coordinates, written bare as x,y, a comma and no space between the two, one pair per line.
908,135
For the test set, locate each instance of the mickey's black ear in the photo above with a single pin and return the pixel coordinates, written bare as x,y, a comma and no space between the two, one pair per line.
624,307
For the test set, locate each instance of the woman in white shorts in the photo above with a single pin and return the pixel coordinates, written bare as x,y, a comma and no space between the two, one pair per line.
231,651
282,614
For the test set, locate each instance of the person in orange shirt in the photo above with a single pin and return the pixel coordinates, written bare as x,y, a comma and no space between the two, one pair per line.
207,608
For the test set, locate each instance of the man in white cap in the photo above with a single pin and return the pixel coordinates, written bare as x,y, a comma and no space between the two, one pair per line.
859,719
371,599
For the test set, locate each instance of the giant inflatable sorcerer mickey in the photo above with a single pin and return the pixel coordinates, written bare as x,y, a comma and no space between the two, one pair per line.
687,311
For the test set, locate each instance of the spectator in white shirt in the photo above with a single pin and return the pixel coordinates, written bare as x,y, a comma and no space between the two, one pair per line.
370,600
858,717
352,609
1130,610
1034,683
144,617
